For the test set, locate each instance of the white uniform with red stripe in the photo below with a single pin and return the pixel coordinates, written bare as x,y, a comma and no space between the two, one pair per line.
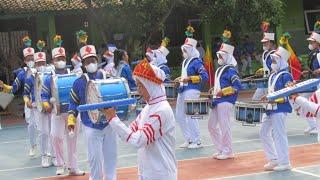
310,107
153,133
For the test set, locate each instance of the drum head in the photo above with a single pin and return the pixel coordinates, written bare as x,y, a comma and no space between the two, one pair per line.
93,96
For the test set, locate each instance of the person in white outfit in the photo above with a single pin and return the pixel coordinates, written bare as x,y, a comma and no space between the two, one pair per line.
58,121
226,89
273,130
193,75
153,132
100,138
268,49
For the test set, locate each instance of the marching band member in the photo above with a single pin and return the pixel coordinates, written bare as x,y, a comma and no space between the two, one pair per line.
100,138
273,132
42,118
268,49
314,66
153,132
149,54
58,122
193,75
76,63
227,86
109,56
121,60
160,58
18,83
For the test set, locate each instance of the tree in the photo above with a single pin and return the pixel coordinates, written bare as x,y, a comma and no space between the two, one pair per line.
239,15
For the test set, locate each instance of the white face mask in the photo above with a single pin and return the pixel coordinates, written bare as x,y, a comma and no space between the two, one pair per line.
92,67
30,64
60,64
265,48
220,62
274,67
185,55
311,47
41,69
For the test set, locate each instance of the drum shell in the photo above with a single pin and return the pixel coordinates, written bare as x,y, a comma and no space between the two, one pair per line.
196,106
61,85
171,91
105,90
249,112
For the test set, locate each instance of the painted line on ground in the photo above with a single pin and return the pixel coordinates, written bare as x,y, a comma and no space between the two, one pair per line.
305,172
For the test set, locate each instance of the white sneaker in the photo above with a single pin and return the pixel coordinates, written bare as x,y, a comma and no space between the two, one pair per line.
282,167
195,145
270,165
60,170
215,155
32,152
308,130
224,157
45,162
54,161
76,172
184,145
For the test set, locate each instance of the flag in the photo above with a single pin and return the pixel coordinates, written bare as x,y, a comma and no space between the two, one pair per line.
208,64
294,62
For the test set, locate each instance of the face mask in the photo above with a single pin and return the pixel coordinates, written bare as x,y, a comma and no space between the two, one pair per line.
274,67
60,64
220,62
30,64
310,46
185,55
41,69
265,48
92,67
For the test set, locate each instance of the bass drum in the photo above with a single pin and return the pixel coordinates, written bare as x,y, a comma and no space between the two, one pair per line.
101,90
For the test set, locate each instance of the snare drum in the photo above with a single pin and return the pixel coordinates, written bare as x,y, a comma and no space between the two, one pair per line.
61,85
249,112
106,90
38,81
246,84
171,91
196,106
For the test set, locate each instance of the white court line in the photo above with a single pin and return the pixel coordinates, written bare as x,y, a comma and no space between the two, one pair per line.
305,172
208,145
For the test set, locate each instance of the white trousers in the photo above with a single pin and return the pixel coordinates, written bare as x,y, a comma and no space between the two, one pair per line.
102,153
44,126
58,133
219,126
312,121
189,126
259,93
31,120
274,138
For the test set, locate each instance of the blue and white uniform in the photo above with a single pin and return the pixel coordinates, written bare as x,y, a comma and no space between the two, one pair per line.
193,68
226,89
273,132
124,70
100,138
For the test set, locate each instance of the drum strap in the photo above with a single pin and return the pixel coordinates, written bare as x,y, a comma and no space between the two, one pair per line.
68,71
86,77
271,85
265,56
184,72
120,67
217,77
